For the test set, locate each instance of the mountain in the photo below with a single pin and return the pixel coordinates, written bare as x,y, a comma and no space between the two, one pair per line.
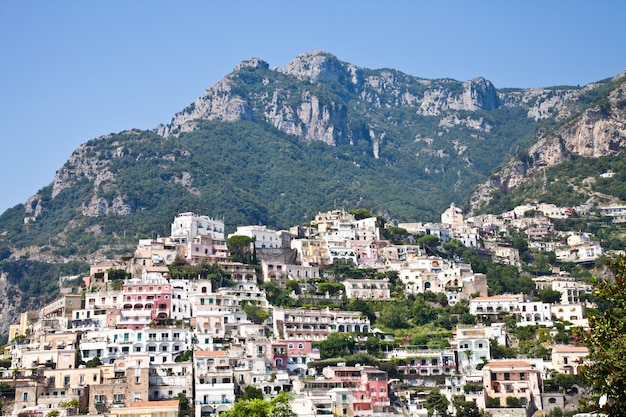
277,145
589,142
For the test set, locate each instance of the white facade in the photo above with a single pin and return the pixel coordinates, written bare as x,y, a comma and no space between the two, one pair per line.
535,313
158,345
168,380
310,324
188,225
495,304
367,289
432,274
573,313
214,381
263,237
472,345
452,217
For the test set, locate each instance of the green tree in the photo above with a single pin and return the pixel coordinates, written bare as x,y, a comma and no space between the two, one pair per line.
336,345
356,304
185,356
542,262
184,408
467,409
256,314
361,213
453,248
241,248
550,296
397,235
394,317
256,407
513,402
436,401
333,288
94,362
251,393
605,367
428,241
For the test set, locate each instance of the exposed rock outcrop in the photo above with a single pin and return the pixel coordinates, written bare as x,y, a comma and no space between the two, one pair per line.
596,133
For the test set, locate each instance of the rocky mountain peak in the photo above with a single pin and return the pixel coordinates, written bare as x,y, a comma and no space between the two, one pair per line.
480,94
252,64
317,65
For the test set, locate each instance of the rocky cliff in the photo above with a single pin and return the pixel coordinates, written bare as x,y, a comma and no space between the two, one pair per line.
314,114
426,142
598,131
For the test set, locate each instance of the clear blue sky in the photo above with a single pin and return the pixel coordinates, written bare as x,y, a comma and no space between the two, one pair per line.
74,70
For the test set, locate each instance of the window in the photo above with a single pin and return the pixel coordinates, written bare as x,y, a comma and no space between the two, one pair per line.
118,398
507,376
99,398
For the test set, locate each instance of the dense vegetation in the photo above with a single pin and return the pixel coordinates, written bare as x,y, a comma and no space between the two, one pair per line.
248,172
606,339
36,283
568,184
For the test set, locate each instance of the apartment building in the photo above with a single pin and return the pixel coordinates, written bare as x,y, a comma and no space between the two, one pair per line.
312,324
512,378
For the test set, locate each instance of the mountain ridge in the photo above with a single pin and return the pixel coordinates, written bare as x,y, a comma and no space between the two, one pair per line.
274,146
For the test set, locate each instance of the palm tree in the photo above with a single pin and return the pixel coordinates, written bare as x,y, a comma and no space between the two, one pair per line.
468,354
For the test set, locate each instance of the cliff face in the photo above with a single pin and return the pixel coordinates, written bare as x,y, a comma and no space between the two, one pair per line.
598,131
447,135
311,114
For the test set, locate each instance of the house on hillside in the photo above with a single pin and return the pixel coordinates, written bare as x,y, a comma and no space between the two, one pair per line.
512,378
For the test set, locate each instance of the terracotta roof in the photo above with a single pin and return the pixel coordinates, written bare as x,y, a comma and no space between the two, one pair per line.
577,349
155,404
209,353
505,363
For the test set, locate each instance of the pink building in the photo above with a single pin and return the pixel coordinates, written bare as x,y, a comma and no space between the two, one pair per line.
512,378
204,247
143,303
368,385
294,355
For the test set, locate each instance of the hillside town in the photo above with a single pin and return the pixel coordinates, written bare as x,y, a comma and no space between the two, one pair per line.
190,323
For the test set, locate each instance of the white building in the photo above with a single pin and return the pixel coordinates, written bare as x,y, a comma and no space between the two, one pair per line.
496,304
533,313
214,381
311,324
472,345
367,289
573,313
188,225
453,216
263,237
